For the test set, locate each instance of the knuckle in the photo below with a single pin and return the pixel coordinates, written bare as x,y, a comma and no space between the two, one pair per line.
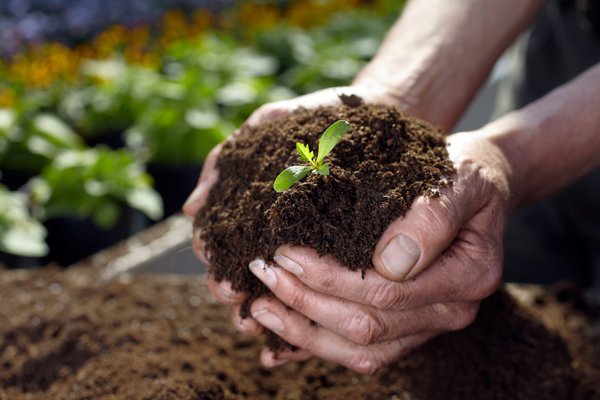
487,282
199,250
462,316
365,364
441,219
364,328
325,282
214,152
297,298
303,340
266,112
388,297
264,109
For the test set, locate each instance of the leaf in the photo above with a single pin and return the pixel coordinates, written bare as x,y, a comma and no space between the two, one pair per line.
289,176
106,215
323,170
20,233
54,130
148,201
305,153
330,138
24,241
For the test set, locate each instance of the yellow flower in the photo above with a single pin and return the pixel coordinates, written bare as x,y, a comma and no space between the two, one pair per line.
174,25
256,17
310,13
7,98
202,20
113,38
41,66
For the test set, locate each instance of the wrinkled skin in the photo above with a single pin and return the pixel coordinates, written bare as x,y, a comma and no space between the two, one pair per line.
450,249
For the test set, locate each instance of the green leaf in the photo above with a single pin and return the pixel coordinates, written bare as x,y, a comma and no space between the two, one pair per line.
52,129
24,241
106,215
289,176
148,201
305,153
330,138
20,233
323,170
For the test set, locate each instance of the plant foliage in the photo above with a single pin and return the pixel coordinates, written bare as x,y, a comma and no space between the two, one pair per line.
289,176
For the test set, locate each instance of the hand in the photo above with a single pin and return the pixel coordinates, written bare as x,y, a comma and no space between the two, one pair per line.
432,267
370,93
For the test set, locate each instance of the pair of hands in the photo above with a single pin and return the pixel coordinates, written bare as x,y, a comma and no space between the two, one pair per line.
432,266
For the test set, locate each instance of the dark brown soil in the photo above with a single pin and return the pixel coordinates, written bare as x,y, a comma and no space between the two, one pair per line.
67,335
384,161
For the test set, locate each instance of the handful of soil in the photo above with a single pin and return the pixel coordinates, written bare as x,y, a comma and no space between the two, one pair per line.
381,165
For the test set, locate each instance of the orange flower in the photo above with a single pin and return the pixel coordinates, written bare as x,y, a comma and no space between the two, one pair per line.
40,66
202,20
256,17
7,98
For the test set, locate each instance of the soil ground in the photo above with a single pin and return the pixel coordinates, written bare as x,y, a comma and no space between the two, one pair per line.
68,335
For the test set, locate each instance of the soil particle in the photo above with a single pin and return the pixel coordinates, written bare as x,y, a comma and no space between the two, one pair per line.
384,161
159,337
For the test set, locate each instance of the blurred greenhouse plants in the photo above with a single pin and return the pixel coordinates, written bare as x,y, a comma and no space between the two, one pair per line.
20,233
93,183
79,126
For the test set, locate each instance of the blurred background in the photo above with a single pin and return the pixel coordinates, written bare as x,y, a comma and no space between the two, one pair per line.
108,108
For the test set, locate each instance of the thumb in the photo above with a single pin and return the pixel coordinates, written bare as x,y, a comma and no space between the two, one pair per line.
411,243
208,177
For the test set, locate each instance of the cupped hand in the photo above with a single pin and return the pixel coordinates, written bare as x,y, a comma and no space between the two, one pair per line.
432,268
269,112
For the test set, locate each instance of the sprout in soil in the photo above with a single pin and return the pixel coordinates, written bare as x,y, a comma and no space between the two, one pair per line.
295,173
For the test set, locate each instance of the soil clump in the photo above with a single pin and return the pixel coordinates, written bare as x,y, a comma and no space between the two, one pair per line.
385,161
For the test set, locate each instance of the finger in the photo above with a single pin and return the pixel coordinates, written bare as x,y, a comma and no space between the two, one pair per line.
270,112
325,97
470,265
270,359
412,243
208,177
356,322
222,291
245,325
297,330
199,247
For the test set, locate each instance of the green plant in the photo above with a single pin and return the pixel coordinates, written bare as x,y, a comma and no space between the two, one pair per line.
28,142
20,233
327,142
94,183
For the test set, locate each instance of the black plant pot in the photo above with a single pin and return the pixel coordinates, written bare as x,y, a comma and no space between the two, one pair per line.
14,180
113,139
13,261
174,183
72,239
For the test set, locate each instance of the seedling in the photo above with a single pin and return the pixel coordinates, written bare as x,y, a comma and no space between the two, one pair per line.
327,142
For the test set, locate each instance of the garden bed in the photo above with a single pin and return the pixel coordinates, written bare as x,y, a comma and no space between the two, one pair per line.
71,335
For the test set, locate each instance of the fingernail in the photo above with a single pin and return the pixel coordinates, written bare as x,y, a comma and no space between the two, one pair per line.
289,265
242,325
365,365
225,289
264,273
400,255
276,360
269,320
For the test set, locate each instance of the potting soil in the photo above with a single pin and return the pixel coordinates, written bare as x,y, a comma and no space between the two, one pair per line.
68,335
